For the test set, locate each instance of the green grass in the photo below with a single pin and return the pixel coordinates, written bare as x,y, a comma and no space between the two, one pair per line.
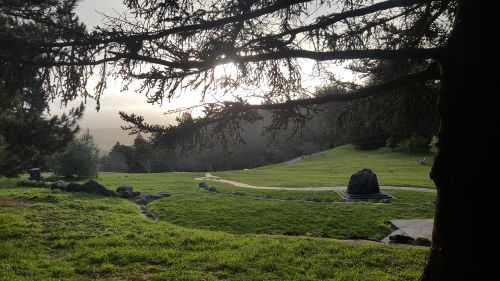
335,166
262,211
269,212
54,235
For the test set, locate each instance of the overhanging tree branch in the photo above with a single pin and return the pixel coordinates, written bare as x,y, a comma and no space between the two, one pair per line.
187,28
431,73
231,110
337,17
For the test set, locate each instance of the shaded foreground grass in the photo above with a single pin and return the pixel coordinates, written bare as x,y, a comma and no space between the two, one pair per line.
54,235
335,166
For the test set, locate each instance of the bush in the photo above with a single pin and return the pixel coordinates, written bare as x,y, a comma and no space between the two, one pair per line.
418,144
433,145
391,143
30,183
80,159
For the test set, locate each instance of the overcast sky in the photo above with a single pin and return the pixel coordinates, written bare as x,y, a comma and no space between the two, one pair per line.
113,100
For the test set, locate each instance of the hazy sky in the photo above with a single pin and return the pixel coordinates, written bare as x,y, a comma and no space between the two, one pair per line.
113,100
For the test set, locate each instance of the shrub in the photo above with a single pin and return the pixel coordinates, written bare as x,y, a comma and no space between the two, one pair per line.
29,183
433,145
80,159
391,143
418,144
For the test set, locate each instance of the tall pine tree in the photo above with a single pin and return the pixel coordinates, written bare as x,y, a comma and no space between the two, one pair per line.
27,131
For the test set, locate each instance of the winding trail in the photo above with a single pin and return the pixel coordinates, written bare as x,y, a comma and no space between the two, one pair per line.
209,176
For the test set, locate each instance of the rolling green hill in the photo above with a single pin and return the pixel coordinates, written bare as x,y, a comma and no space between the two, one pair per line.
199,235
335,166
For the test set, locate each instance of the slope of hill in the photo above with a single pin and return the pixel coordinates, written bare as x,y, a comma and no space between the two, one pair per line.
335,166
199,235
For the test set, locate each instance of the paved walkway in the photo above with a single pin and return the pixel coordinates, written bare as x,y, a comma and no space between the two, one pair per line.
417,228
209,176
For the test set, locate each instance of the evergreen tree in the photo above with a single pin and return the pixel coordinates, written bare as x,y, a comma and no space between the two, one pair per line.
80,159
27,131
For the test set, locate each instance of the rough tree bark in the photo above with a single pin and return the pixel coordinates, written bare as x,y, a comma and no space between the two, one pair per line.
466,234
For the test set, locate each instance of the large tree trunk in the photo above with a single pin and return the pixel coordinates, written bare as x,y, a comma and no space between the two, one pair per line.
467,219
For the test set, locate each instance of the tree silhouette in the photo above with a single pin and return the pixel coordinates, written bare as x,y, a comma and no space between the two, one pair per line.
27,132
173,45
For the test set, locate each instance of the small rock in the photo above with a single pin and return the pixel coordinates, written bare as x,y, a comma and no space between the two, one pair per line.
124,188
60,184
307,198
320,234
292,233
239,193
147,213
421,242
154,197
202,185
212,189
401,239
328,200
141,201
125,194
289,198
317,200
164,194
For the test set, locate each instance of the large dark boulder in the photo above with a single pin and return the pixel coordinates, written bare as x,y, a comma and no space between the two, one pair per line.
126,191
401,239
94,187
90,186
125,188
141,200
60,184
363,182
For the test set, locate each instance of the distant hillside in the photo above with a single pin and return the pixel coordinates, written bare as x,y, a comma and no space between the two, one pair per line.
107,137
335,167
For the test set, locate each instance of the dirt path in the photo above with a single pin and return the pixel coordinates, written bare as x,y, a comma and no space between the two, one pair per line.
209,176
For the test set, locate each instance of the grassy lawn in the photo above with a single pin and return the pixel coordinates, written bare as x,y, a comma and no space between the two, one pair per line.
268,211
334,167
264,211
54,235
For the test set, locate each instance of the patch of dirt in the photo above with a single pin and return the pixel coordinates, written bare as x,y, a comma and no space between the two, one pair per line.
12,202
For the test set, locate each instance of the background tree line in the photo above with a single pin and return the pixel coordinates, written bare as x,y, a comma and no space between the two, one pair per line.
361,123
